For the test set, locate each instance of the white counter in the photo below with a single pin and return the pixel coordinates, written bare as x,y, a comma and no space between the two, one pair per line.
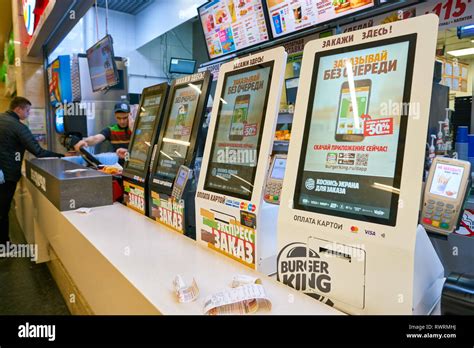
124,263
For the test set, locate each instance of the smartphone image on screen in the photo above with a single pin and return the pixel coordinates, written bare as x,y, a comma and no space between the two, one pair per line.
349,124
239,117
180,120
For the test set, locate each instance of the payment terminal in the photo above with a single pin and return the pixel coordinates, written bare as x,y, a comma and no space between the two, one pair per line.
184,174
275,177
446,189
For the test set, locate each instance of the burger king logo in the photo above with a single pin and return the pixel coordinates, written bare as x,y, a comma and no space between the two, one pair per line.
302,269
29,16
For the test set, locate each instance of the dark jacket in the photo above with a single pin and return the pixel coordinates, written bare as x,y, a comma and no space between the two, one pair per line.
15,138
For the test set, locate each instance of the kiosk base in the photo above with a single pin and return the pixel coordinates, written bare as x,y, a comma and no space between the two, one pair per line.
428,276
267,250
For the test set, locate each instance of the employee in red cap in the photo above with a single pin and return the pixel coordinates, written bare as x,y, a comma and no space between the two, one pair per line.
118,134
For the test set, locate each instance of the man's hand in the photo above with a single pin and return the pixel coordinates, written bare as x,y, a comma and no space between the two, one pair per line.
80,144
122,153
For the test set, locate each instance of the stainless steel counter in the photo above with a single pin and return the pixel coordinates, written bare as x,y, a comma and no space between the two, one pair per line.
68,185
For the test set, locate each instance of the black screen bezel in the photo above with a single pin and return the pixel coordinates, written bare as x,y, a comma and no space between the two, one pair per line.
197,125
110,41
391,221
171,71
162,89
262,126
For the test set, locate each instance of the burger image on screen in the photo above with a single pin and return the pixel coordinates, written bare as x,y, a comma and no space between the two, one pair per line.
341,5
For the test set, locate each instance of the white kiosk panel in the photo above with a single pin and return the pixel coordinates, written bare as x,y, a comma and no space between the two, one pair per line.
231,216
353,183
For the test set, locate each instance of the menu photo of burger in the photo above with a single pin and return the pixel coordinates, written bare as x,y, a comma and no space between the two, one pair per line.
346,5
341,5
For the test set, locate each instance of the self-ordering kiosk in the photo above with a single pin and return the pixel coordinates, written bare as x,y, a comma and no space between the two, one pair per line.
176,162
348,232
231,215
145,134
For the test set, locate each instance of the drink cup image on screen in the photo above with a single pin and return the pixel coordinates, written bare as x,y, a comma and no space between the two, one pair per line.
353,103
181,121
239,117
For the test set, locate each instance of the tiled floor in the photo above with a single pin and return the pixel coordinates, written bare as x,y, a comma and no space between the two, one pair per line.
26,287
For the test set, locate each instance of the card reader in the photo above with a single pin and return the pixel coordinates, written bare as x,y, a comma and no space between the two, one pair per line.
275,177
184,174
446,189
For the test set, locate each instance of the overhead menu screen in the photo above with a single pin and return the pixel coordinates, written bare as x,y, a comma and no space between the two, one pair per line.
354,139
447,180
232,25
289,16
237,136
141,147
178,129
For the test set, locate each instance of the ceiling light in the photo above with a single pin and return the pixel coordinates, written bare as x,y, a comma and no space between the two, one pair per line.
463,52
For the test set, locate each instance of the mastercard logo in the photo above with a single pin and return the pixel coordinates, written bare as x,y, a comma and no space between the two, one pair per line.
247,206
354,229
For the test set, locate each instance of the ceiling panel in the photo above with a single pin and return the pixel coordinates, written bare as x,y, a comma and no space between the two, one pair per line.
127,6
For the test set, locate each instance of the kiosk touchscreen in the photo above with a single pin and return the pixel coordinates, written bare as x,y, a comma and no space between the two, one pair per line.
180,142
350,235
231,216
145,134
446,190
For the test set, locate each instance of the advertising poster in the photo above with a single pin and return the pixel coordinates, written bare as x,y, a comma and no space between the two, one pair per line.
230,236
239,125
288,16
178,131
134,196
356,113
231,25
141,146
167,211
451,14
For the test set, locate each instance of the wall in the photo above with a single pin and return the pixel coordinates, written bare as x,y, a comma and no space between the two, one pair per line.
147,65
29,71
162,16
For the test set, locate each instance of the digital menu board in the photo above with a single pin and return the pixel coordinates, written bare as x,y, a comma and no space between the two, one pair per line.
102,69
447,180
239,126
354,136
232,25
142,142
178,131
289,16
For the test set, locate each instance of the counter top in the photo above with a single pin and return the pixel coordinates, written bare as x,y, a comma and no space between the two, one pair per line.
149,256
65,170
69,185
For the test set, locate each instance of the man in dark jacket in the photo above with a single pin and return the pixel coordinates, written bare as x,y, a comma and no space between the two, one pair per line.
15,138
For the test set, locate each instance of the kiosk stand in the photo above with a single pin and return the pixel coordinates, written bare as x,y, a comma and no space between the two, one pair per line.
348,230
147,125
232,217
181,140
